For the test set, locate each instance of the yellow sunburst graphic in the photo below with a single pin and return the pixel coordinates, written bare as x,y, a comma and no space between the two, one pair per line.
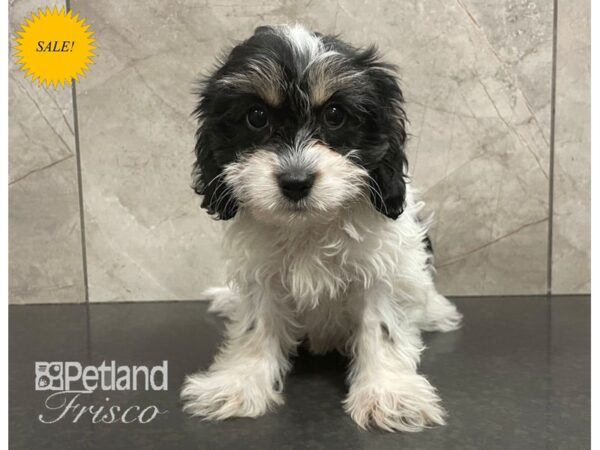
55,46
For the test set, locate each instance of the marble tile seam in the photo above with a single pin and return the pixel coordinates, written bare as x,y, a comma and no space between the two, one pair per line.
550,248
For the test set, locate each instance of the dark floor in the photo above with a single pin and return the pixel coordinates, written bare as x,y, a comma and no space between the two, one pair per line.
517,376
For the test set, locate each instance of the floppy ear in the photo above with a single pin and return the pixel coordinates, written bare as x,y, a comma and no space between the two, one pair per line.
390,172
208,180
388,182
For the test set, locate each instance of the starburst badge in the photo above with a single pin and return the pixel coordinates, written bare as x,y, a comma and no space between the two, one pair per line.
55,47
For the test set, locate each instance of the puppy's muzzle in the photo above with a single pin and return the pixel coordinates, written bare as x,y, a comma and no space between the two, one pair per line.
296,184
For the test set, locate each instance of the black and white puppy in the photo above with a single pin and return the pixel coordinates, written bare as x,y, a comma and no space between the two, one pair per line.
301,149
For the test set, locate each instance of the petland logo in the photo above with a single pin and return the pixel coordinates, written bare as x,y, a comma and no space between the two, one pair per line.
70,381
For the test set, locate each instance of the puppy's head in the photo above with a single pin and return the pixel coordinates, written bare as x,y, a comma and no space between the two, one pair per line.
295,125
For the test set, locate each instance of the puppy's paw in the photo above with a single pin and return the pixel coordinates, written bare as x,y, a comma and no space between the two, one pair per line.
220,395
440,315
223,300
409,404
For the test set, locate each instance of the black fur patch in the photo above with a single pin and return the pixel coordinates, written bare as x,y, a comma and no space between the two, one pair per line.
386,332
429,250
428,245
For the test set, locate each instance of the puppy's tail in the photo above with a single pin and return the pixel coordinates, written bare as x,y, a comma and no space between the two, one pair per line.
222,300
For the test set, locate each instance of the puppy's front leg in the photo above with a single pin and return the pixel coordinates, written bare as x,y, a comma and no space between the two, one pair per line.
385,389
246,378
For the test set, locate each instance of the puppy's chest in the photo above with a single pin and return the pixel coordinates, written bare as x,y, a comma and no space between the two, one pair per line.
315,271
309,265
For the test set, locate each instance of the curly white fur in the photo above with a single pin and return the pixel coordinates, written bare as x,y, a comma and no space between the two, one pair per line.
359,283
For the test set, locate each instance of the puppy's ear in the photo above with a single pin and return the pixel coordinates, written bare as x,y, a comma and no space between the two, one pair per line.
389,175
263,29
208,180
388,183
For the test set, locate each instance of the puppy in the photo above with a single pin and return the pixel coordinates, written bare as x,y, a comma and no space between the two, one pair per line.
300,148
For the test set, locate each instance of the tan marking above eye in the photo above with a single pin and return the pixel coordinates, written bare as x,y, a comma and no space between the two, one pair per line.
325,78
319,96
271,97
267,88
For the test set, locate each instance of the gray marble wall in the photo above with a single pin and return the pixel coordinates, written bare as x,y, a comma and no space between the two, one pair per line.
477,76
45,253
571,234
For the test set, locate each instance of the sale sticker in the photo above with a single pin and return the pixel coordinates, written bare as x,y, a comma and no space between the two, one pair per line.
55,47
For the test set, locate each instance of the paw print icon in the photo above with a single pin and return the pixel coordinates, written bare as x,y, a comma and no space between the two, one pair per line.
48,376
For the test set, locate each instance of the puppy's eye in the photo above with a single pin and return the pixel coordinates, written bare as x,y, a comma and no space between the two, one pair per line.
334,116
256,118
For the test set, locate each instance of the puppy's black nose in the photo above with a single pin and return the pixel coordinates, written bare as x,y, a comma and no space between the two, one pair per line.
296,185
